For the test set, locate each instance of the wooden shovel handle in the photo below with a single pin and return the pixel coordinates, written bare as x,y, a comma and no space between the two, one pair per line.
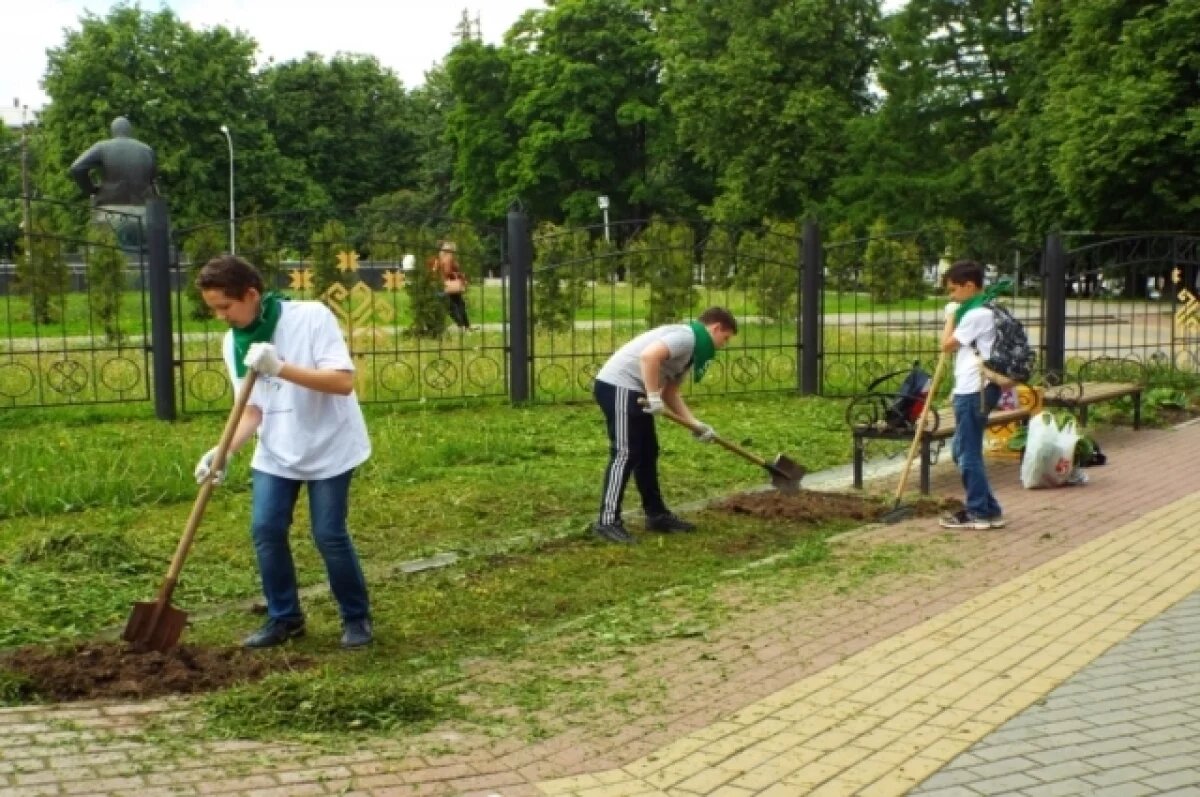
218,463
916,441
722,442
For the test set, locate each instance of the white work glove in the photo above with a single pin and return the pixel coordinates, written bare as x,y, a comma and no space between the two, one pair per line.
703,432
951,309
204,467
263,358
654,403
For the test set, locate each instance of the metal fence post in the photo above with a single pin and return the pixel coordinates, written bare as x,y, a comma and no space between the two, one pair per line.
158,246
1054,317
812,278
520,260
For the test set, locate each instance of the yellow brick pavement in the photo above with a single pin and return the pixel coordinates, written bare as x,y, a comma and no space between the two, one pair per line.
888,717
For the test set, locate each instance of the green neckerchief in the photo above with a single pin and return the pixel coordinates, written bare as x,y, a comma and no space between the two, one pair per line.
260,330
705,350
983,297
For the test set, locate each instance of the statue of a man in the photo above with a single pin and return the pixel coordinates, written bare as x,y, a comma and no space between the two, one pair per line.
127,169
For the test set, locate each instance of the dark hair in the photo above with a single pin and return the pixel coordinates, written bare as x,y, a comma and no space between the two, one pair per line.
719,315
963,271
231,275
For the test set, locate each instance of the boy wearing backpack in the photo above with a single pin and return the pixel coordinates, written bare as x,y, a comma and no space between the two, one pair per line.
969,335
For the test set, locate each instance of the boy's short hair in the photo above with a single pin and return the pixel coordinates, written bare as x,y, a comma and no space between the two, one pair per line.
963,271
229,274
719,315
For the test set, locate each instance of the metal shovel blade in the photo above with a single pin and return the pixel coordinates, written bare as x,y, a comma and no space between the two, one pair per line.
785,474
153,628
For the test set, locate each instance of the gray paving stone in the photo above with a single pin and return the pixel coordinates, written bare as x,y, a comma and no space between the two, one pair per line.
1004,749
986,770
1062,771
1114,776
1004,785
1173,763
1061,788
1130,729
1175,780
1133,789
1119,759
951,791
949,776
1174,719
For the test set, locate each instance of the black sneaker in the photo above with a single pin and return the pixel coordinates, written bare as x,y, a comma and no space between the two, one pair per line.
613,532
356,633
275,632
667,523
964,520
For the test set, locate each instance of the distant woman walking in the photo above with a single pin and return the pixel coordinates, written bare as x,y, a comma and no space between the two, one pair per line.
454,283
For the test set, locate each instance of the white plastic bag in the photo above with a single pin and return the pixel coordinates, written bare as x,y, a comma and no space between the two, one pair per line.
1049,452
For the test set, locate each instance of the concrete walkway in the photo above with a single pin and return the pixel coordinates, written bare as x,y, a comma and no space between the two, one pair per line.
1058,659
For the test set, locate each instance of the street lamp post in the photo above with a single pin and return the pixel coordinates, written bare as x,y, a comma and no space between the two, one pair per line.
232,227
602,201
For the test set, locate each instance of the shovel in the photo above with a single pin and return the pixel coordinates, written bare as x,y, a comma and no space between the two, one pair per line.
157,625
785,473
898,513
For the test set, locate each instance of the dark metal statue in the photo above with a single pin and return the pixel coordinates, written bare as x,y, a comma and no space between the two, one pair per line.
127,169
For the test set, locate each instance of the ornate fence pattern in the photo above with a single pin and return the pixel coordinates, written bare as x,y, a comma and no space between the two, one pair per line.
819,311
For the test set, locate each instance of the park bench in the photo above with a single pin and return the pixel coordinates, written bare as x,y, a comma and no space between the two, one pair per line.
1098,380
939,427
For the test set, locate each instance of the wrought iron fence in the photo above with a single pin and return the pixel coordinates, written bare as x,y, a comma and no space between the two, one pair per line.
1132,297
72,308
372,271
546,308
882,298
595,288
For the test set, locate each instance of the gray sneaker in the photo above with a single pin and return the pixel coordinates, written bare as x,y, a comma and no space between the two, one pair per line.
356,633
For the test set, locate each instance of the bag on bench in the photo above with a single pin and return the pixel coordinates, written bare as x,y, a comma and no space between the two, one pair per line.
914,392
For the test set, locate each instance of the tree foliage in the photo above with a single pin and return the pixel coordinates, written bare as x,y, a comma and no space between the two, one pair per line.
563,267
763,93
663,257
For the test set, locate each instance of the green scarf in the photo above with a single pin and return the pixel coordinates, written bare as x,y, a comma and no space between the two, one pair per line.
260,330
983,297
705,350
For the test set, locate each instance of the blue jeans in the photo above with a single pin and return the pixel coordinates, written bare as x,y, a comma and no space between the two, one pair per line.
970,414
271,518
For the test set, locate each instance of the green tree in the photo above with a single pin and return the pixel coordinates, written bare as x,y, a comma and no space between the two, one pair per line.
106,266
720,257
347,119
843,258
562,265
762,91
177,86
200,246
949,73
41,272
1120,104
892,267
325,247
477,126
662,255
423,286
767,269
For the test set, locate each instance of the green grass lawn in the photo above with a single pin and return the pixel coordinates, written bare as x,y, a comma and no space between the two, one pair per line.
92,503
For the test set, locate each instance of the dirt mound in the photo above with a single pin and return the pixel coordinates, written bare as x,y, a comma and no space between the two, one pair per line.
811,506
95,671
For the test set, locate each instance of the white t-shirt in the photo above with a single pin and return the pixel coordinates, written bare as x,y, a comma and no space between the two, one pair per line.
624,368
976,330
305,434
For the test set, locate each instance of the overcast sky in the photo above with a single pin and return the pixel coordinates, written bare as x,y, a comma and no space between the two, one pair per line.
407,36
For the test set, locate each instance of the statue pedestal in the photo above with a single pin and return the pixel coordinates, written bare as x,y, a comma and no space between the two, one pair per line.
126,221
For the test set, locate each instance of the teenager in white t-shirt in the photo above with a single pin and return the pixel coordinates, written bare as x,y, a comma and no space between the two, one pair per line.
969,335
311,433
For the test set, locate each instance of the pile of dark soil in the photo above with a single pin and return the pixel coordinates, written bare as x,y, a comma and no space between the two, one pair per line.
98,671
811,506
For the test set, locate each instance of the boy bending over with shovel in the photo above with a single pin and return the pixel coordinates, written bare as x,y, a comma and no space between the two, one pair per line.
311,433
638,382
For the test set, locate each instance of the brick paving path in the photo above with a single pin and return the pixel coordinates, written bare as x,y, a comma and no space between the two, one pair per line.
718,683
